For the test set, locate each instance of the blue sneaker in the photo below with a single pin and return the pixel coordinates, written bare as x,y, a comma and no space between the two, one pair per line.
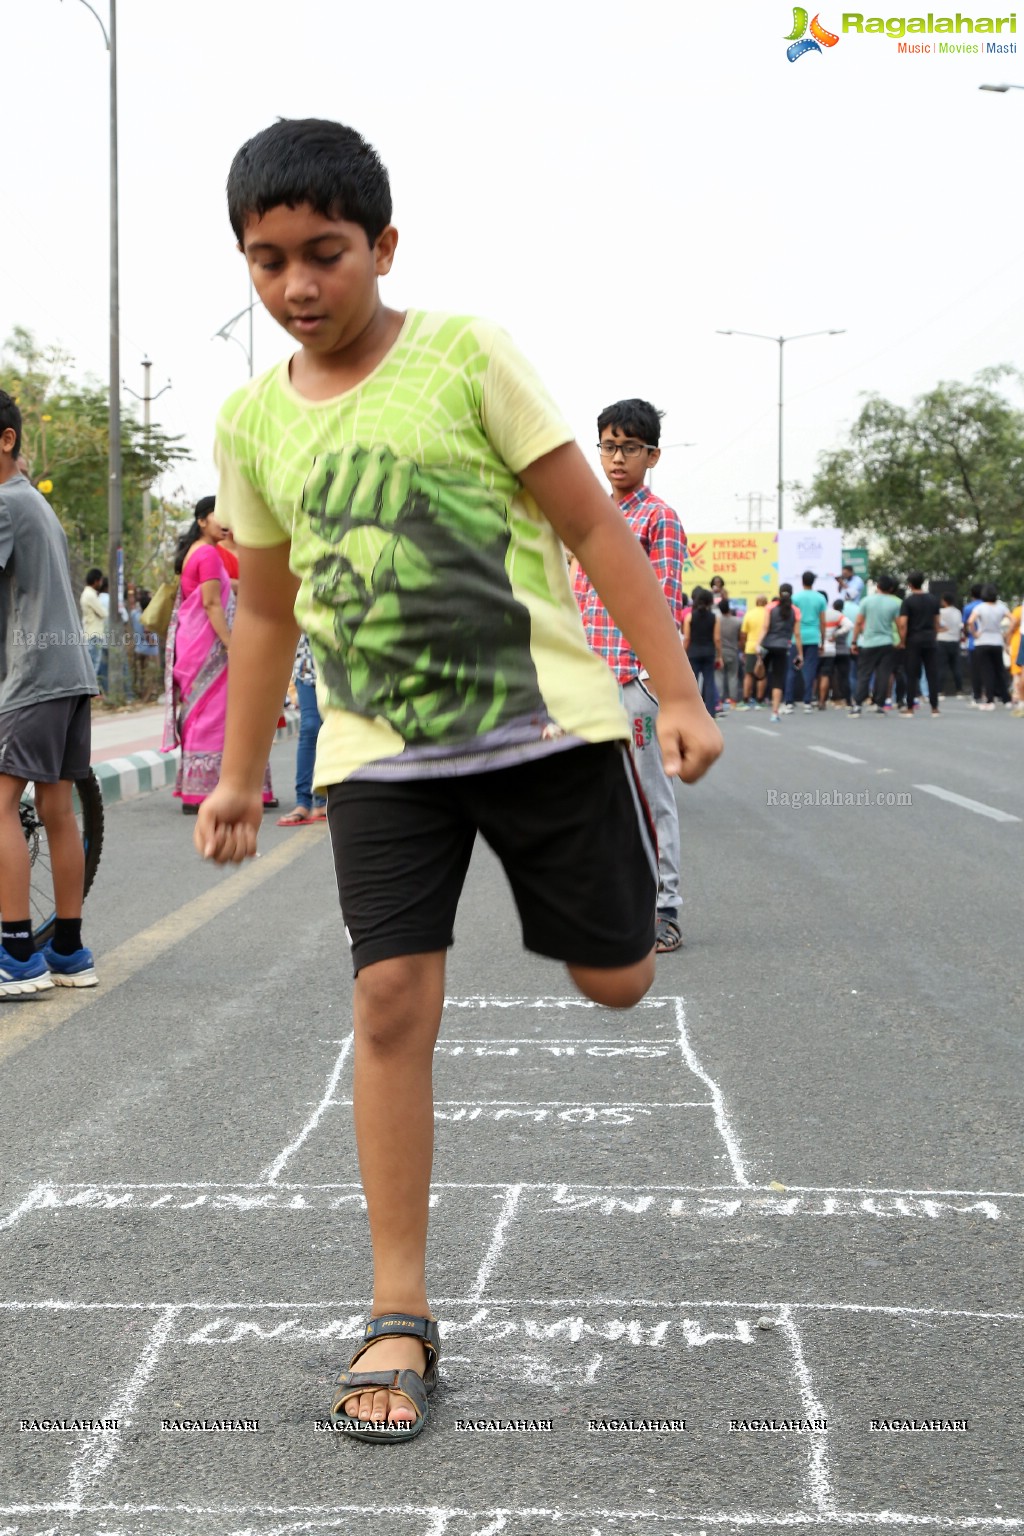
19,978
76,970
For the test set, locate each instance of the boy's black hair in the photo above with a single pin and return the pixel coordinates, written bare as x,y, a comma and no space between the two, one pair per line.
976,591
93,575
724,607
916,579
839,604
989,592
886,583
809,578
10,416
310,160
634,418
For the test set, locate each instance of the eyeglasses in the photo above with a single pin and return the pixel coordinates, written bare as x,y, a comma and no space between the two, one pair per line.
628,450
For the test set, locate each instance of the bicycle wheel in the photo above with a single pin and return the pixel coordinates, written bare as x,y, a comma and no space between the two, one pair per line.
90,821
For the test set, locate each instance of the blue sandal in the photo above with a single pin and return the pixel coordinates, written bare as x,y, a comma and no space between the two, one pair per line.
408,1384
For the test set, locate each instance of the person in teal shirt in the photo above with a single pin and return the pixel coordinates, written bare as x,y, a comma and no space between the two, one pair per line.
873,643
811,606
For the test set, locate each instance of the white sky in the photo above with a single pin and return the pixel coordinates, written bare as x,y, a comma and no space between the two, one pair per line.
612,182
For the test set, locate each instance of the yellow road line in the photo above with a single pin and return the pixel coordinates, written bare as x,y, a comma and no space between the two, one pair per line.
22,1023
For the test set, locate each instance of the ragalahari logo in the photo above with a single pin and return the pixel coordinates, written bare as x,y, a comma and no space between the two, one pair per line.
800,43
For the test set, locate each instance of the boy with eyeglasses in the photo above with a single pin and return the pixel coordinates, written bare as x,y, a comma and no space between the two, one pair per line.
401,488
629,433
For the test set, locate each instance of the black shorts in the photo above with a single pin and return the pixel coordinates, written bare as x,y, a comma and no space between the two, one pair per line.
572,831
776,662
49,741
826,666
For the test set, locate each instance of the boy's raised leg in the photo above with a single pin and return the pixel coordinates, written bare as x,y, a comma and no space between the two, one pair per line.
397,1007
619,988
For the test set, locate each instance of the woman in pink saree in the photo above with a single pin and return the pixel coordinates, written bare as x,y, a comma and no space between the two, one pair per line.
197,662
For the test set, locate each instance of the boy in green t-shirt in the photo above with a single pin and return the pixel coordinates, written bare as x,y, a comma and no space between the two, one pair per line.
400,489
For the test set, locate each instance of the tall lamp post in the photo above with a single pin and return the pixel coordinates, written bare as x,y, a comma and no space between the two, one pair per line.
115,569
147,500
227,333
781,342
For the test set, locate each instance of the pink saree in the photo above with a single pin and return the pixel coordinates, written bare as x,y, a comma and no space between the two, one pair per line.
196,669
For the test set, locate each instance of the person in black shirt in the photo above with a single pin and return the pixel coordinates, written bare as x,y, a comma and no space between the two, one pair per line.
918,624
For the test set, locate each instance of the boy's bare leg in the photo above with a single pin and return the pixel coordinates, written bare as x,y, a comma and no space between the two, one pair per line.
620,988
397,1007
15,871
55,805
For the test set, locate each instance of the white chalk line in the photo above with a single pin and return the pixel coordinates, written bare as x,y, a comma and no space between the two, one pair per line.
270,1175
505,1219
965,804
31,1202
819,1483
762,1304
555,1104
322,1514
721,1121
762,730
686,1189
99,1450
474,1001
843,757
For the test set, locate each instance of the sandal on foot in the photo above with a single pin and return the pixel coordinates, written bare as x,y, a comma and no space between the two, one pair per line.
667,936
408,1384
297,818
318,813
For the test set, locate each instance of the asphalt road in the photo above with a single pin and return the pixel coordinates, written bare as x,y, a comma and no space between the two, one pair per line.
786,1189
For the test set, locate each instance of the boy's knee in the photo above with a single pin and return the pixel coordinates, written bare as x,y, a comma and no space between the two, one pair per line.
621,988
397,998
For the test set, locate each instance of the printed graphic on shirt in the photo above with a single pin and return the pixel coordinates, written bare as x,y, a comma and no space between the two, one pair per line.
404,547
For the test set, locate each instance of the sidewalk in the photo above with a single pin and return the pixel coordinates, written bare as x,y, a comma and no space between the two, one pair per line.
126,751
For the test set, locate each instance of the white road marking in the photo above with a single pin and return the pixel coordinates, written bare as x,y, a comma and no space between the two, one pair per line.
759,1305
99,1450
843,757
31,1202
763,731
272,1174
965,804
325,1517
721,1121
508,1211
43,1199
819,1483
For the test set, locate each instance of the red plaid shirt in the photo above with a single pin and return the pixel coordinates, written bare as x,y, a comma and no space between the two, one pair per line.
660,532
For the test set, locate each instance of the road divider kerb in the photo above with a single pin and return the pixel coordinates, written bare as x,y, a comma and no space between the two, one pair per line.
123,778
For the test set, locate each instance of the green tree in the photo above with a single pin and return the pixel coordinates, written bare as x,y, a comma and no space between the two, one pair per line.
937,486
65,441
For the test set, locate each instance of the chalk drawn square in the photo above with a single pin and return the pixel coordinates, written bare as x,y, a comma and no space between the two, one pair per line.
58,1365
921,1365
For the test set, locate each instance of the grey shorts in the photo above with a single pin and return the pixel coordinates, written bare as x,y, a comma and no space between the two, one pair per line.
47,742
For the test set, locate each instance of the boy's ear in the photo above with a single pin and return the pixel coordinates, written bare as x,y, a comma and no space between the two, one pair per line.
8,438
384,250
653,455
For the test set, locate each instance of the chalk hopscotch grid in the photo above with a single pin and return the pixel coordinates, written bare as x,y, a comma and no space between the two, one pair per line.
96,1454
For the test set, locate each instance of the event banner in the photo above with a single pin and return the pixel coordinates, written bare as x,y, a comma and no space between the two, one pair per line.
752,563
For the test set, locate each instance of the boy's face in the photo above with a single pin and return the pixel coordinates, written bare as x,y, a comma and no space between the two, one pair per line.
317,276
625,459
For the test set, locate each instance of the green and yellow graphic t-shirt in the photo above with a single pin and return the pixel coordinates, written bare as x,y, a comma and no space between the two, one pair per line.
433,590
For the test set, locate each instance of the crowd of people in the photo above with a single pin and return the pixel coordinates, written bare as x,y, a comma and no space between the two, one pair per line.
892,647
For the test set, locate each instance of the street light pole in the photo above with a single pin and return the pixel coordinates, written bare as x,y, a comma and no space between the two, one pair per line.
147,400
781,342
115,569
226,332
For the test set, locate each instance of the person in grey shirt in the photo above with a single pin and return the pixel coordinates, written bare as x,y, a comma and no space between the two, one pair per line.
949,638
729,631
46,683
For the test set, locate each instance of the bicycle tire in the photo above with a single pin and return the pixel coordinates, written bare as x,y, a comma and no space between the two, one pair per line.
90,801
